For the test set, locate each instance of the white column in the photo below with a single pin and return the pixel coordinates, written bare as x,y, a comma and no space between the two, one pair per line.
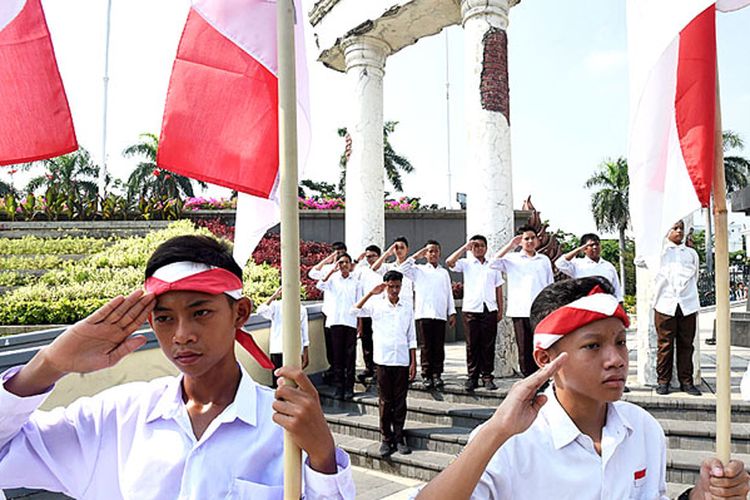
646,331
489,204
365,216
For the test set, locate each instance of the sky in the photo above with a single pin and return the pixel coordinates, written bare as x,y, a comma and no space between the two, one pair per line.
568,94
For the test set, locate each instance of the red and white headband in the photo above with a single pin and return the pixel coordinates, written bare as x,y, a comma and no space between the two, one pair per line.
197,277
595,306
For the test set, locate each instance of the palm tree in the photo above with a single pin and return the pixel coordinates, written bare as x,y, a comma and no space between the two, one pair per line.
148,180
71,174
5,188
393,163
609,204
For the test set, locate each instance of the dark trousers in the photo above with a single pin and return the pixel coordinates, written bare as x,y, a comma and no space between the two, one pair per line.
277,359
480,343
431,339
344,345
525,344
329,346
364,332
393,385
679,329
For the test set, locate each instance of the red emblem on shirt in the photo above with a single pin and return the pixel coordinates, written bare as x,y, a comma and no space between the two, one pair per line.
639,474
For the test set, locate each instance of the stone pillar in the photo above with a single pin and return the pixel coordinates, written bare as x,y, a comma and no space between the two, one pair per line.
489,203
365,217
645,330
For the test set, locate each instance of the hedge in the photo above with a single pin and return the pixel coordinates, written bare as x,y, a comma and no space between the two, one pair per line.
32,245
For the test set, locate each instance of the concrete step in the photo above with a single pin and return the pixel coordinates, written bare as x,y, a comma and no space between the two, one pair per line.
683,466
419,435
701,436
420,464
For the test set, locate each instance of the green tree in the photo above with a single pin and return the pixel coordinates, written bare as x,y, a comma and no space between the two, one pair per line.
611,252
609,203
393,163
736,168
322,189
6,188
69,174
148,180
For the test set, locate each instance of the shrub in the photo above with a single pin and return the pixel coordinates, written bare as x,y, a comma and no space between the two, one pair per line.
29,245
14,262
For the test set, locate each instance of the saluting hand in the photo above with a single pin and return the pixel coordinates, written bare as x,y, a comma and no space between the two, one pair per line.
379,288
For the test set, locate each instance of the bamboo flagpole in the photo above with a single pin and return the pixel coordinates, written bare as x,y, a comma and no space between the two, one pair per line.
290,273
723,388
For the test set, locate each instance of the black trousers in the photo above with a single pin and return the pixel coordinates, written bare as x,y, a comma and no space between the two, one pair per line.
431,339
670,330
525,343
393,385
480,343
277,359
344,344
329,346
364,332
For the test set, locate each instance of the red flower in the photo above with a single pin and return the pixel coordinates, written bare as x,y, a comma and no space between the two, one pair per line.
156,172
50,177
166,177
13,171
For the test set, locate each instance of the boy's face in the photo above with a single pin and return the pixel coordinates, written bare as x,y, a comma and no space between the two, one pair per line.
478,248
393,288
529,241
371,257
345,265
598,361
676,233
593,250
433,254
196,330
401,249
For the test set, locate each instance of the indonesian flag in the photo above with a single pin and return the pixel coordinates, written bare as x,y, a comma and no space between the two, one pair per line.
672,60
221,119
35,121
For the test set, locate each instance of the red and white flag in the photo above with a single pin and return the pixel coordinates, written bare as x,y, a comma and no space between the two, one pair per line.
672,61
221,118
35,121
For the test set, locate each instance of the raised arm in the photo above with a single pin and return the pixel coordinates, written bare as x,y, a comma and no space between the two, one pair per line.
512,244
316,272
516,413
391,251
453,258
375,291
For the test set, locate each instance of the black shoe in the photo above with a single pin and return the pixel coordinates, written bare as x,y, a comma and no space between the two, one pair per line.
403,448
690,389
349,394
339,394
438,382
428,383
626,389
663,389
327,378
471,384
364,375
385,450
711,341
489,384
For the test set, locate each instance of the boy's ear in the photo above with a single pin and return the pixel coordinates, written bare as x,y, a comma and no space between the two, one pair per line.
542,357
244,308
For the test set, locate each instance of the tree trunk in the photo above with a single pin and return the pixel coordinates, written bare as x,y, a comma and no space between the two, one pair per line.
622,258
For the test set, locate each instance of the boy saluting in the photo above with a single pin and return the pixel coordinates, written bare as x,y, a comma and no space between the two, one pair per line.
211,432
576,440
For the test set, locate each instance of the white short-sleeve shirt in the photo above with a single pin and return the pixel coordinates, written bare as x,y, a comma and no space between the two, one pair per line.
272,312
583,267
527,276
676,281
433,291
393,332
480,284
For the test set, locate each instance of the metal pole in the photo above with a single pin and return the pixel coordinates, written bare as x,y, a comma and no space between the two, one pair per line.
448,119
103,172
290,274
723,388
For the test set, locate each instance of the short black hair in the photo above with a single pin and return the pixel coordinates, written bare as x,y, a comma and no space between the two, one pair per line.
345,255
564,292
590,237
338,245
479,237
393,276
374,248
432,242
402,239
525,228
193,248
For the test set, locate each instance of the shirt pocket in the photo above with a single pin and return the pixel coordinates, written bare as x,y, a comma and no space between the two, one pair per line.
243,489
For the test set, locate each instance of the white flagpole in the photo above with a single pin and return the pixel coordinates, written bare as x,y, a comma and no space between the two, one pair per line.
723,387
290,274
103,172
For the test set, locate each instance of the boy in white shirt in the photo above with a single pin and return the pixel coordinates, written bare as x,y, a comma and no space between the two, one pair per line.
343,287
528,272
395,357
400,250
211,432
576,440
271,310
434,308
675,310
367,280
592,263
482,309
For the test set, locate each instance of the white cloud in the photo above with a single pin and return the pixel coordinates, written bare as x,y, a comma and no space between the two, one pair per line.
605,61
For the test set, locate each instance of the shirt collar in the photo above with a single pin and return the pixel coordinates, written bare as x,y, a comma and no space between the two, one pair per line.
474,259
244,406
586,258
562,428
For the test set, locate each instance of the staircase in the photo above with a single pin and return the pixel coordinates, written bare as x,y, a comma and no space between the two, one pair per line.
438,426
